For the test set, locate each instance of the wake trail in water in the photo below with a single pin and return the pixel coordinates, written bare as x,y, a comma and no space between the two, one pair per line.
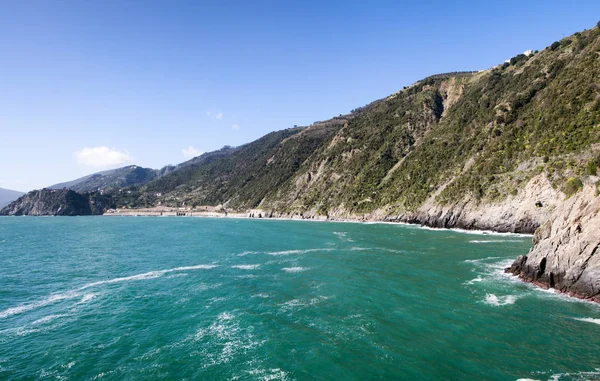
284,252
589,320
86,297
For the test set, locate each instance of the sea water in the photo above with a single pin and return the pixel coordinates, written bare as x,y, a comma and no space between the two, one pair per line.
178,298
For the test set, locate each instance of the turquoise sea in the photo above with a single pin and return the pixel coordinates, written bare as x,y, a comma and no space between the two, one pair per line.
177,298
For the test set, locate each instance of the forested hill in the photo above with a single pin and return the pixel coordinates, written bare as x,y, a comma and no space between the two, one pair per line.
440,149
455,138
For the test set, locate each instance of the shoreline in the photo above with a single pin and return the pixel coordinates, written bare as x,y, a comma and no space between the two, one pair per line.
212,214
569,295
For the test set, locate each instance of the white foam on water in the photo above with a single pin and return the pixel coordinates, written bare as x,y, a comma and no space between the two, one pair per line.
285,252
494,300
87,297
180,275
68,366
355,248
589,320
186,268
494,241
225,316
148,275
245,267
44,302
246,276
289,252
298,303
207,286
227,333
72,294
343,236
476,280
480,260
267,375
47,319
583,375
475,232
261,295
296,269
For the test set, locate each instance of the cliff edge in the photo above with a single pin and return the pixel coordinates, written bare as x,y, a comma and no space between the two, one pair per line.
566,249
47,202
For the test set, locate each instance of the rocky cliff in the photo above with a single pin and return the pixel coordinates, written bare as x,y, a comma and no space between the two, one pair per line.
7,196
566,248
48,202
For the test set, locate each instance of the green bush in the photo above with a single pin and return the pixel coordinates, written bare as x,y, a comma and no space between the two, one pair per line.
573,186
592,168
555,45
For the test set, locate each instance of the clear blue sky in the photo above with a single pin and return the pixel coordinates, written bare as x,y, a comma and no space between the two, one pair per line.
88,85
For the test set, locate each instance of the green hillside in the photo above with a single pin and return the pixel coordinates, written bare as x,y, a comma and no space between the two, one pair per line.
449,137
483,134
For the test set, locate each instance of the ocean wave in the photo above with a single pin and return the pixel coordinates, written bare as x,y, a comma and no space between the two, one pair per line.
268,375
76,293
47,319
494,300
494,241
226,333
589,320
474,232
245,267
148,275
583,375
298,303
295,269
285,252
44,302
343,236
476,280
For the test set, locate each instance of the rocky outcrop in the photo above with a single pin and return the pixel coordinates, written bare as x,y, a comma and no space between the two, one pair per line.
50,202
521,213
566,249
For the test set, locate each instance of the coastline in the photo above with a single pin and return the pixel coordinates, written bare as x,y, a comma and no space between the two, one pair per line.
172,212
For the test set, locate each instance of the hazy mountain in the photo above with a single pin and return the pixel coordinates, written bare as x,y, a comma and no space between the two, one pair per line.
7,196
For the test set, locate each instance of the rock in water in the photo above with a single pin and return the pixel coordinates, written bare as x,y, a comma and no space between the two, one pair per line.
566,249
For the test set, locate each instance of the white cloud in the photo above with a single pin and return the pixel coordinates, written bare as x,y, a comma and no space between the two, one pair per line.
101,157
215,115
235,126
191,152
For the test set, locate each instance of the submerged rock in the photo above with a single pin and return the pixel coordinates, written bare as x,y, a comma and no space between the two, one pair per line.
566,249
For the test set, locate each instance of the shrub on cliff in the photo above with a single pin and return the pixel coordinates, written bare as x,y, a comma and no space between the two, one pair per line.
573,186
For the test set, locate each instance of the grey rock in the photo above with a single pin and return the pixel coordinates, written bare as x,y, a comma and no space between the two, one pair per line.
49,202
566,249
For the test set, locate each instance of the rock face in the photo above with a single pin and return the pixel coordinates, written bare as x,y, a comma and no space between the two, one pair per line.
521,213
566,249
47,202
7,196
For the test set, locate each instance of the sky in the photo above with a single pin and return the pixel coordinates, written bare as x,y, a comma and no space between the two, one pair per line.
91,85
